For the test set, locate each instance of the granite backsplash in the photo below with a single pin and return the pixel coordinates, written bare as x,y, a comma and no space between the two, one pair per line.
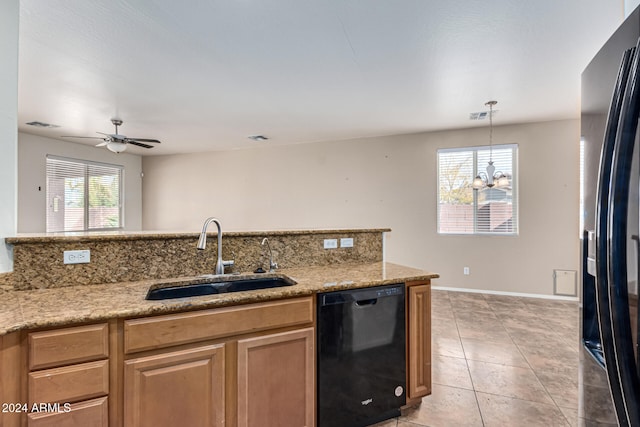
124,257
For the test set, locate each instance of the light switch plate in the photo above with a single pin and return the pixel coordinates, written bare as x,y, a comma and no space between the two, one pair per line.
346,242
77,257
330,243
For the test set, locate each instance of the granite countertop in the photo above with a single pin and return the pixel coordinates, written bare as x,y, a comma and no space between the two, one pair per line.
87,236
78,304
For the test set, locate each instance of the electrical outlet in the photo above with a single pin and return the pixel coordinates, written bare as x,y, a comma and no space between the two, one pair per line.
330,243
465,271
346,242
77,257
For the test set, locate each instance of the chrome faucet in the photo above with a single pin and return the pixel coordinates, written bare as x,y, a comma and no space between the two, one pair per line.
202,243
272,265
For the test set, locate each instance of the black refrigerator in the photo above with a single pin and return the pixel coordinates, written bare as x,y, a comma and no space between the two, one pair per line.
609,376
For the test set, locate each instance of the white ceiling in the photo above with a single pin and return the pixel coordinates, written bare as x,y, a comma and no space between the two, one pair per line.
204,75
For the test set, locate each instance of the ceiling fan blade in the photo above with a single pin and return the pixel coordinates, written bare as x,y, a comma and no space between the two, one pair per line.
89,137
144,140
113,136
117,138
139,144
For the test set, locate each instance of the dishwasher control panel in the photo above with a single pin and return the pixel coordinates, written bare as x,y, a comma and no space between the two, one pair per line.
354,295
388,292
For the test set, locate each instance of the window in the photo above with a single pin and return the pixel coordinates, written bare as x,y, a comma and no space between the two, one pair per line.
463,210
83,195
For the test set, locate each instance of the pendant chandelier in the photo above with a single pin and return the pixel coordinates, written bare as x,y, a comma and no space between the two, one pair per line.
491,178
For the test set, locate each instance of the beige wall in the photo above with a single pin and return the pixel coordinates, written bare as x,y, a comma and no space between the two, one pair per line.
385,182
32,152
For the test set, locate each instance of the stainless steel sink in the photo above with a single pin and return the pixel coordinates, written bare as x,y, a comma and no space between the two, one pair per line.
219,285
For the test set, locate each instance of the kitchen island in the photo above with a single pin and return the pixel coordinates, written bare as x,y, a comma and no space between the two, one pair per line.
103,355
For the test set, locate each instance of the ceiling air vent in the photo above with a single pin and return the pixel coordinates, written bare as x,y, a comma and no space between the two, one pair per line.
481,115
258,137
42,125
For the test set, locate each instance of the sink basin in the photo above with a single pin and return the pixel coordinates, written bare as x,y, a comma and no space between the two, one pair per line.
224,285
184,291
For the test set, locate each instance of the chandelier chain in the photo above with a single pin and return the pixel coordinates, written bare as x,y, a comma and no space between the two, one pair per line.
491,104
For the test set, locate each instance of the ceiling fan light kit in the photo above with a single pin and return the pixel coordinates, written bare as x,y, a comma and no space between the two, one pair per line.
118,143
116,147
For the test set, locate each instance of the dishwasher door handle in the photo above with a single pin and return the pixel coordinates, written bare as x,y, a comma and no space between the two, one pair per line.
365,302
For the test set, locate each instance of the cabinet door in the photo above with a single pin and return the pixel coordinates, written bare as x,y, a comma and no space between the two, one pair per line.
419,338
182,388
276,380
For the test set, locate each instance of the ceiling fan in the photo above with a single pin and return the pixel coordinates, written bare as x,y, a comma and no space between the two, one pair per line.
116,142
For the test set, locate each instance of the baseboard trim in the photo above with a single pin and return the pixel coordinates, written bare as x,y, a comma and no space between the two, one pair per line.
511,294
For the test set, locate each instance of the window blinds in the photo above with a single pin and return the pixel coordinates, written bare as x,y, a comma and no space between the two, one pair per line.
461,210
83,195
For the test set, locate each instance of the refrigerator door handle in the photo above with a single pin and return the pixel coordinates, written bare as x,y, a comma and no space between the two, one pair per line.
618,201
636,239
602,232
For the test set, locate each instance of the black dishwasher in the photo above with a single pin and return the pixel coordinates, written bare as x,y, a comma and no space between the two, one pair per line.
361,355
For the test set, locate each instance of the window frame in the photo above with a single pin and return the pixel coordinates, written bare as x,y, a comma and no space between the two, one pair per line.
86,219
514,186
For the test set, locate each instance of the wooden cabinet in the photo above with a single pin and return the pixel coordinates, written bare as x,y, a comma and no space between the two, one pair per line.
276,380
151,333
418,340
11,378
91,413
68,345
69,383
244,365
177,388
64,391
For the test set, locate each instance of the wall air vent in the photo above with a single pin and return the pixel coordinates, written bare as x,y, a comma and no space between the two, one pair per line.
42,125
481,115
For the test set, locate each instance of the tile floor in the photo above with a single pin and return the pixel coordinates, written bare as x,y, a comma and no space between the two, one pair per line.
500,361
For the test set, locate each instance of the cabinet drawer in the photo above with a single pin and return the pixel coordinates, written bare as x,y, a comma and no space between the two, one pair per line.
69,345
69,384
92,413
175,329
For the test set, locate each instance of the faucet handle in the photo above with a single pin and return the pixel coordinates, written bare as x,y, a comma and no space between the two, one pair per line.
272,265
230,263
